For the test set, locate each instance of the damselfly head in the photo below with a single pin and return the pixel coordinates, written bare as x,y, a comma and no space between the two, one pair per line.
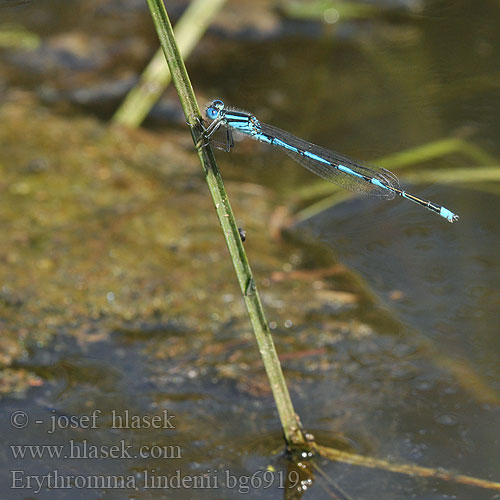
213,110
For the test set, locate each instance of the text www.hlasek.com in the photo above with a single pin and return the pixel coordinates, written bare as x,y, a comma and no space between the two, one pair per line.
84,450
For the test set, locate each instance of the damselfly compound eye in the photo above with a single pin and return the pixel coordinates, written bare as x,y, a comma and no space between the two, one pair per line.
212,113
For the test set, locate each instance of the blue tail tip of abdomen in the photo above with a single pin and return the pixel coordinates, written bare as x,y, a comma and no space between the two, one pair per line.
448,215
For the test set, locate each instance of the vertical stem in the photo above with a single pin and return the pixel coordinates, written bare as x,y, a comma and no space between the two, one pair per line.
289,420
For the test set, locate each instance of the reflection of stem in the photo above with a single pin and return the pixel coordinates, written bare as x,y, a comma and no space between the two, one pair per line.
337,493
410,470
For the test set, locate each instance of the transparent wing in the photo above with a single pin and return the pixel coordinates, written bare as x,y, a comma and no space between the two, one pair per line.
332,174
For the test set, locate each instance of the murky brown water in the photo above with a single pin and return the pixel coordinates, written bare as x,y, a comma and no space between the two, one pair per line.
117,298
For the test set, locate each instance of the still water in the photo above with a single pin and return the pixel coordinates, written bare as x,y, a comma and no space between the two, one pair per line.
116,293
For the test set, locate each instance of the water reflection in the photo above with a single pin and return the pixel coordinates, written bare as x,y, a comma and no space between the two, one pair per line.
397,358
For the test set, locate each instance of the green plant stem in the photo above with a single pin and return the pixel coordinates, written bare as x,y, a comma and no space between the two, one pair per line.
289,420
436,149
